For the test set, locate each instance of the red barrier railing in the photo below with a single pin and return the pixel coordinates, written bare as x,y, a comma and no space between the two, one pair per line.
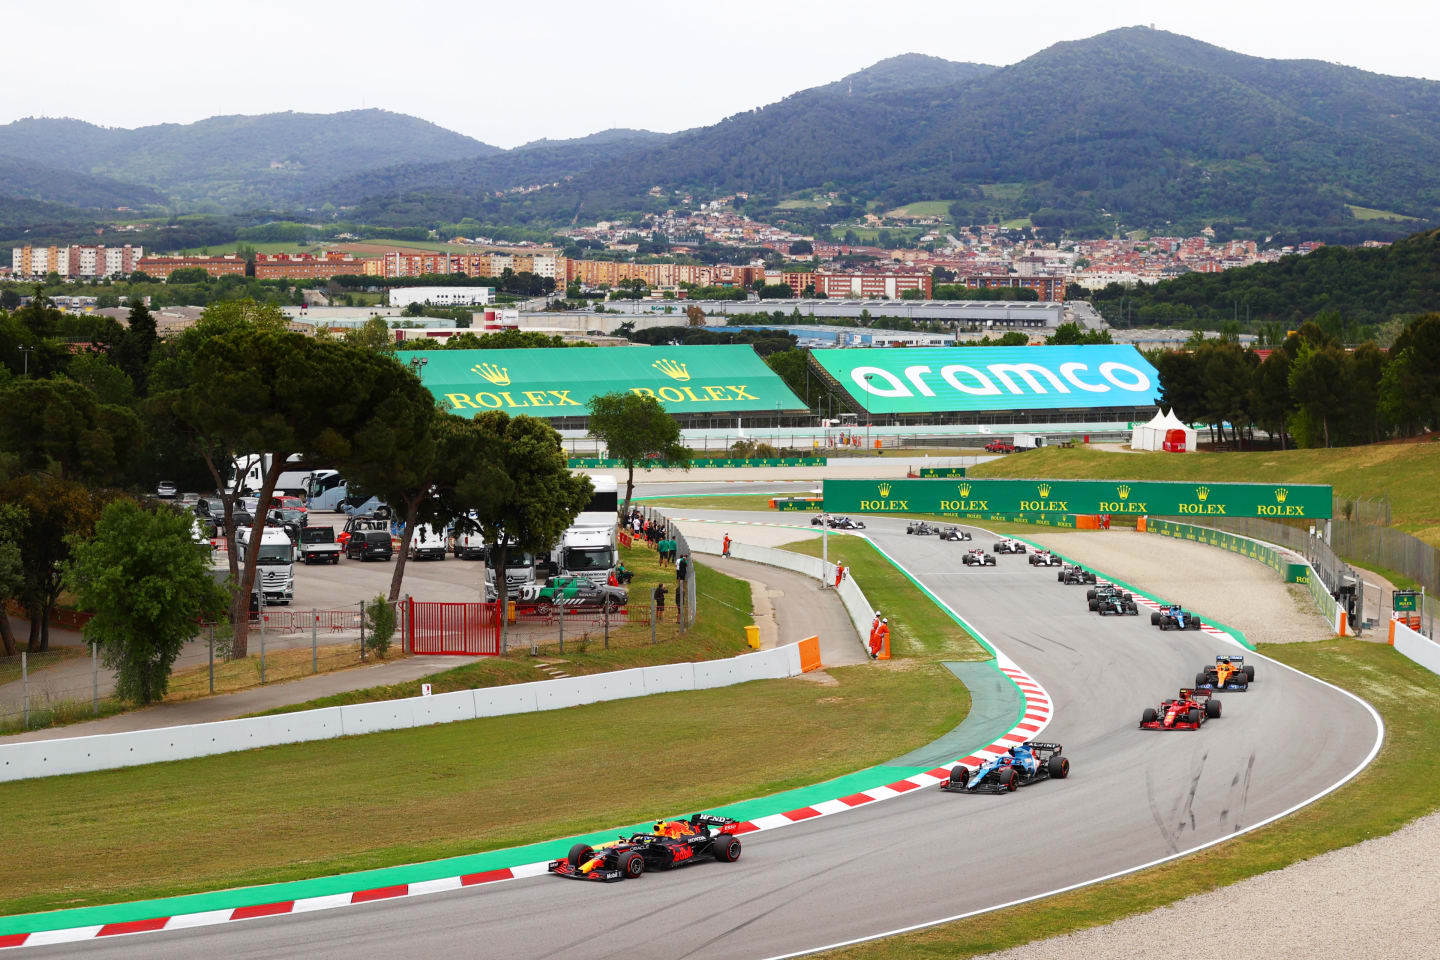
454,628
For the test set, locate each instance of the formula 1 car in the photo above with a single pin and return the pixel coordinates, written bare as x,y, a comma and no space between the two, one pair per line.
1009,546
1117,604
845,523
922,529
1173,618
977,557
572,593
672,843
1104,589
1021,766
1044,558
1188,711
1070,574
956,535
1229,673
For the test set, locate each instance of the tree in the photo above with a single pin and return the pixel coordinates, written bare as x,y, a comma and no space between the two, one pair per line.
149,587
1321,382
517,483
188,275
109,383
132,354
12,571
1271,404
374,334
1073,333
694,316
9,299
636,428
56,513
60,426
262,392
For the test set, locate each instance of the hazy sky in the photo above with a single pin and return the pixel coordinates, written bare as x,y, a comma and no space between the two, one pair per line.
506,73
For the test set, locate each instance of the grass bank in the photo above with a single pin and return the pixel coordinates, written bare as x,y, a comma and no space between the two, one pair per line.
919,628
1385,797
739,501
1402,472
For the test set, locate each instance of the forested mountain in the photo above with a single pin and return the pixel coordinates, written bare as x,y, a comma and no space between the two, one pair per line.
237,161
34,181
1135,127
537,162
1347,288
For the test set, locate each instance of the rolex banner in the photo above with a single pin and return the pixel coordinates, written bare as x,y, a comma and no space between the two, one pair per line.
559,382
975,498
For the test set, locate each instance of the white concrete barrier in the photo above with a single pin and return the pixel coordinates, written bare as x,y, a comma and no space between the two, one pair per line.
668,678
444,708
1416,646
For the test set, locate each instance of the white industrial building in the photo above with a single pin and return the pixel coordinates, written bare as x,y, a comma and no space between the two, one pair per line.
442,296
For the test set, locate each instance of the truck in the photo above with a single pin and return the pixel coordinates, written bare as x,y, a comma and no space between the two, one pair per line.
250,475
519,568
317,545
603,510
1028,441
588,552
427,543
275,561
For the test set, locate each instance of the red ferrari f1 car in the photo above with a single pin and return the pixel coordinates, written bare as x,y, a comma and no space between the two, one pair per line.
1188,711
671,843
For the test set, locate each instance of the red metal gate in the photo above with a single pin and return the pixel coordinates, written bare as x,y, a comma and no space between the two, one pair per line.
458,628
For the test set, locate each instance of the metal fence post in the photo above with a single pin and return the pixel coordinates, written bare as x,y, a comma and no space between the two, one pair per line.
362,631
95,678
25,688
211,644
561,609
606,609
314,641
652,619
263,618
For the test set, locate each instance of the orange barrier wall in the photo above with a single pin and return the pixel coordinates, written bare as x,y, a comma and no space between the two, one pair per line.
809,654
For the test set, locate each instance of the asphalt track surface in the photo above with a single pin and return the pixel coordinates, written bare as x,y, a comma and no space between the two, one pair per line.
1133,797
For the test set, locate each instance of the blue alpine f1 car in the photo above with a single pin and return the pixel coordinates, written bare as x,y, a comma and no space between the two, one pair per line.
1174,618
1030,762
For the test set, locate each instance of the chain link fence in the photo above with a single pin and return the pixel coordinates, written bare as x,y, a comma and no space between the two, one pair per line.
71,684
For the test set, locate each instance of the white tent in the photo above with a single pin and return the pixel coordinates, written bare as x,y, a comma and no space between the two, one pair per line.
1148,436
1173,422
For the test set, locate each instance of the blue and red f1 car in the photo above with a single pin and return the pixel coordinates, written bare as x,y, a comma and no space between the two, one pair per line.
671,843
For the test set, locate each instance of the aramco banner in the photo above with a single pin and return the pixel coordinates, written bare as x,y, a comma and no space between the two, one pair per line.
559,382
945,379
977,498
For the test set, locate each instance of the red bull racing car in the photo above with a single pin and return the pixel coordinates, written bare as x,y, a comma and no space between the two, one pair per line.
1188,711
671,843
1030,762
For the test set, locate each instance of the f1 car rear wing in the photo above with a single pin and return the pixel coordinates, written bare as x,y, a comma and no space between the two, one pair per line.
1225,658
1186,693
1036,746
711,820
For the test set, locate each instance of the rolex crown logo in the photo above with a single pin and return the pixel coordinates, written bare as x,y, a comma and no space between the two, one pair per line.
884,489
1202,493
964,489
500,376
1281,494
671,369
1044,489
1124,491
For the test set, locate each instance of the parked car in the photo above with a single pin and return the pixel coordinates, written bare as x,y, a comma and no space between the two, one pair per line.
317,545
166,489
369,545
998,446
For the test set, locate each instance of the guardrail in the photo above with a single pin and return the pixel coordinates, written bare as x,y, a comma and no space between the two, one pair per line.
1415,645
46,758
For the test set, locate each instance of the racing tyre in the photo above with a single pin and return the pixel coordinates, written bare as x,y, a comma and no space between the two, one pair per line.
1212,708
960,774
580,853
1194,717
727,849
1249,674
1094,604
1155,619
632,865
1148,715
1008,780
1060,577
1200,679
1059,767
1132,610
1192,624
1164,624
1090,595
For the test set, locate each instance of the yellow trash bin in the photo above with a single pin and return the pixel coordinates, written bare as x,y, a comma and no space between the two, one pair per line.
752,636
510,612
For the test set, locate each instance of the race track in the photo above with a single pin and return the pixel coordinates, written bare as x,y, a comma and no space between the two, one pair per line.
1132,797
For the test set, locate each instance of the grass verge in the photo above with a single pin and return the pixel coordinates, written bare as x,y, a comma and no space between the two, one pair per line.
331,806
918,626
739,501
1383,798
10,666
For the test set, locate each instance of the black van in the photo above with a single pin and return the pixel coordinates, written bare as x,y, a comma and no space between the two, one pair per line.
369,545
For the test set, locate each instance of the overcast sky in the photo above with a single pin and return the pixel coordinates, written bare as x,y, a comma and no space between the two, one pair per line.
507,73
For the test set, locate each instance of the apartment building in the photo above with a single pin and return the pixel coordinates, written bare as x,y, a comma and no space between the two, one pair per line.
870,286
542,263
75,261
303,266
1047,288
162,267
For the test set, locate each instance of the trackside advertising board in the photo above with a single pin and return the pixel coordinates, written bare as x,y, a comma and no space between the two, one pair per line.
975,498
559,382
1292,572
946,379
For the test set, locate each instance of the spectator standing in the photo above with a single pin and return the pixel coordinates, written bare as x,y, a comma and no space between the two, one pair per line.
725,548
682,566
659,599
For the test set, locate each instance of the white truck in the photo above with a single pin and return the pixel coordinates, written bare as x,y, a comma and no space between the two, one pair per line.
603,510
1028,441
274,564
588,552
427,543
519,572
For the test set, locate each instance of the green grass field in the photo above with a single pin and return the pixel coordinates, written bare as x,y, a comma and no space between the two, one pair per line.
922,208
1003,191
800,204
1370,213
1402,472
1018,223
1382,799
